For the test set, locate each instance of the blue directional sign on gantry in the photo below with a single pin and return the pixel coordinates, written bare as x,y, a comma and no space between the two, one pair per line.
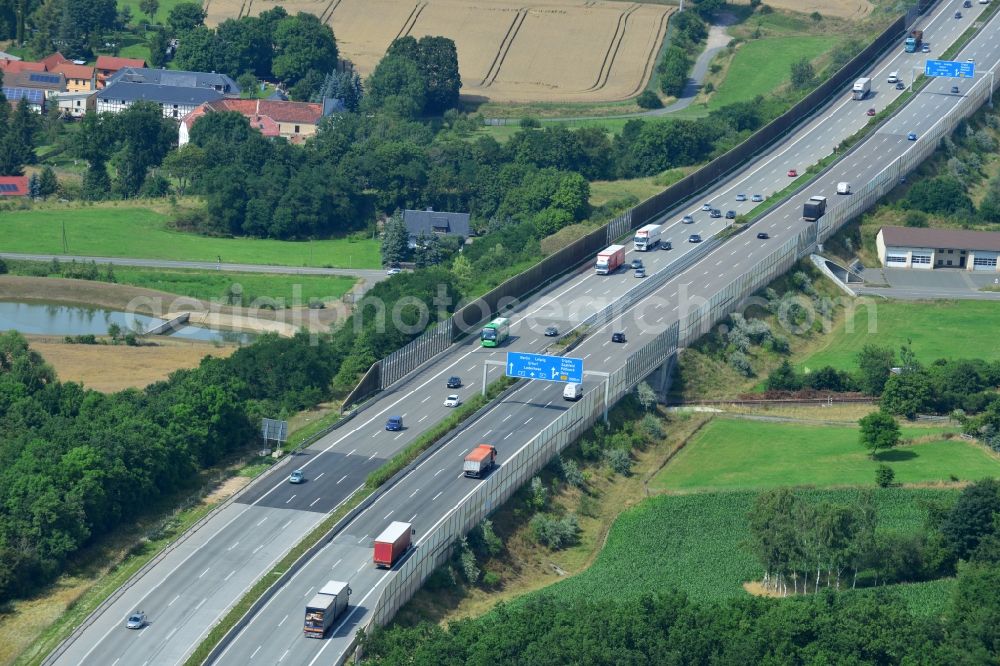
950,68
549,368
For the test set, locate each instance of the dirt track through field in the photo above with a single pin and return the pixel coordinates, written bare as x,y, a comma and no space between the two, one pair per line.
508,51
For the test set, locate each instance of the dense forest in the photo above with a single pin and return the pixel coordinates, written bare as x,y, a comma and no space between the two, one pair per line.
78,463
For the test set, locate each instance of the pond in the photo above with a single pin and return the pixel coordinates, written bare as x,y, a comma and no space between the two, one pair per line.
60,319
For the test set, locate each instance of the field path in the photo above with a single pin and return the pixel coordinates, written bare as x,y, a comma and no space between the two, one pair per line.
616,42
494,70
328,12
411,20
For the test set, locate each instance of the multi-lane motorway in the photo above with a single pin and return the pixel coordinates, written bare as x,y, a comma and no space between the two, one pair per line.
194,585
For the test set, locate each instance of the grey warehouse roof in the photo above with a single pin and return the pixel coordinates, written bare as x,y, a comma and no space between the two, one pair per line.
175,78
430,222
134,92
954,239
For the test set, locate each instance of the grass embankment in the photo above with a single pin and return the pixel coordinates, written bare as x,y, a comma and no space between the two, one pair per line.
694,543
730,454
138,231
289,290
762,65
932,328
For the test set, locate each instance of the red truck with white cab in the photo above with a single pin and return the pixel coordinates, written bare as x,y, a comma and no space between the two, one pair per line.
609,259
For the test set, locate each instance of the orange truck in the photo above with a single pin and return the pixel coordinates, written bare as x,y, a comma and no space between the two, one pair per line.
480,461
393,542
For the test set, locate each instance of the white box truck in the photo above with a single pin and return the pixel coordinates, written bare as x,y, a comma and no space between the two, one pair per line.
861,88
648,237
325,607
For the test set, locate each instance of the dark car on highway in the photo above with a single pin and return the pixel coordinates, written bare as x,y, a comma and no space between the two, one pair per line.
763,235
394,423
694,238
454,382
636,264
551,331
618,336
715,213
730,214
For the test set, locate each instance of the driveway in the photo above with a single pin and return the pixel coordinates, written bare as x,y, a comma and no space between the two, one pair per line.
910,284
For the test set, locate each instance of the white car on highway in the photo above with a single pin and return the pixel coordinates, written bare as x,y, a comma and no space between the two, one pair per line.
452,401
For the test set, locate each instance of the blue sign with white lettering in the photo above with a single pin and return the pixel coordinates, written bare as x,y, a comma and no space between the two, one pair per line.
950,68
549,368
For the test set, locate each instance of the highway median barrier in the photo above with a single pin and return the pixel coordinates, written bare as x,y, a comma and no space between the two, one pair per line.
466,411
377,483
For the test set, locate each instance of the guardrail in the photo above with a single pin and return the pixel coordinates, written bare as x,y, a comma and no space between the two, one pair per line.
435,547
573,255
892,175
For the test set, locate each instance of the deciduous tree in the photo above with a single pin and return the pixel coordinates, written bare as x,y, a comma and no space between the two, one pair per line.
879,431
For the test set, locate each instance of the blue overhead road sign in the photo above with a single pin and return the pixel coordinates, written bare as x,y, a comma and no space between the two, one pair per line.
950,68
549,368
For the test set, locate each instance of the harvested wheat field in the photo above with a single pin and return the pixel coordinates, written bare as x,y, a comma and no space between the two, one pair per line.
850,9
110,368
553,51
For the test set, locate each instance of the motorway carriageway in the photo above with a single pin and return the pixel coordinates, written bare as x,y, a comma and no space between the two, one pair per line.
194,585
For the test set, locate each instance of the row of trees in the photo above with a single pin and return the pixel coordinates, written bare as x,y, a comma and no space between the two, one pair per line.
807,546
689,31
299,51
668,627
912,388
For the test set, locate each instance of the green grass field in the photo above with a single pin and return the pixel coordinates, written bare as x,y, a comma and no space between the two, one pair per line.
762,65
694,543
161,11
731,454
934,328
291,289
134,231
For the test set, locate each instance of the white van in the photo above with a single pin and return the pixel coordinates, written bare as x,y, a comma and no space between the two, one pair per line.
843,188
573,391
893,77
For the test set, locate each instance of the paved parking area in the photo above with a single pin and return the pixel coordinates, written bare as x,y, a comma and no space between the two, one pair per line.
909,284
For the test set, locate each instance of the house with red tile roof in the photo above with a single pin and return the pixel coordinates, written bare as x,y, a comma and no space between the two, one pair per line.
53,60
18,66
108,65
13,186
295,121
79,78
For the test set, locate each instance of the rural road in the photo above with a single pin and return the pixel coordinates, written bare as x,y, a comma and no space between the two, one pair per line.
370,276
718,38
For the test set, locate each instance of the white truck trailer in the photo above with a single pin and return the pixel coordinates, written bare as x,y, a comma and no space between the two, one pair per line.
648,237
